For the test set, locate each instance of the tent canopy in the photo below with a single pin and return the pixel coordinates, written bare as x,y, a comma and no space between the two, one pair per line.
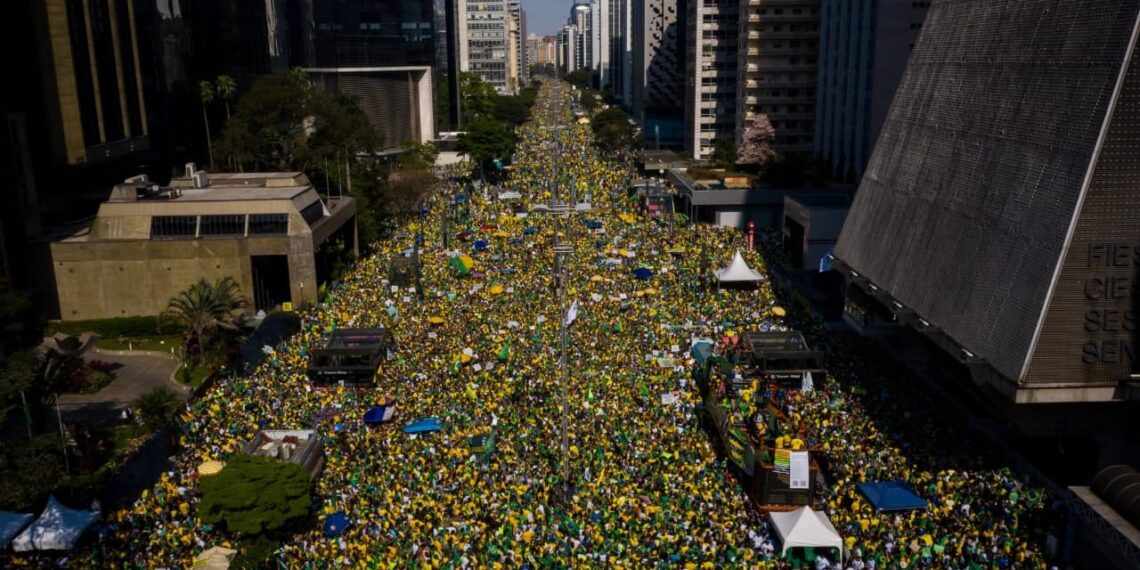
892,496
11,524
216,558
58,528
738,272
803,528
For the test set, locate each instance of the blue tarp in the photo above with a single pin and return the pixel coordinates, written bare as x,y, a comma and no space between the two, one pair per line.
481,245
530,231
380,414
593,224
336,523
892,496
11,524
642,273
423,425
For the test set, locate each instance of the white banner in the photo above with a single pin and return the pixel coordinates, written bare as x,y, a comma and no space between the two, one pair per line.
801,471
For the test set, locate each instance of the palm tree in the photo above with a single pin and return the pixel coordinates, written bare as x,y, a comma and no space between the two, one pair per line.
157,410
206,93
205,306
227,88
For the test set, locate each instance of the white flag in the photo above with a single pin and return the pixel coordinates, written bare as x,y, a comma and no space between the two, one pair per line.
572,313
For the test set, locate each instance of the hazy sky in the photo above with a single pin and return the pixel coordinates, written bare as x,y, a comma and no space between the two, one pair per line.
544,17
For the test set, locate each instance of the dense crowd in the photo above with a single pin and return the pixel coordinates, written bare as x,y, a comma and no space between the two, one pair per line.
480,352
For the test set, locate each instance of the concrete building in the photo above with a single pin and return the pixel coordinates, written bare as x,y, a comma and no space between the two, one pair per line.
658,57
518,56
777,70
864,46
270,232
999,217
382,58
491,43
582,18
620,75
568,57
710,74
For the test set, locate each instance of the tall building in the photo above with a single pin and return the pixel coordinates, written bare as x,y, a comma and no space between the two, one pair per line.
778,69
382,56
621,49
998,212
517,71
658,58
710,74
568,46
491,46
582,18
864,48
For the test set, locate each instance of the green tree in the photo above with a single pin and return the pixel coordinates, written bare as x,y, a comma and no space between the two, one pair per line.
256,495
206,95
32,469
284,123
724,153
589,99
204,307
477,97
511,110
486,140
158,408
227,88
417,155
613,129
581,78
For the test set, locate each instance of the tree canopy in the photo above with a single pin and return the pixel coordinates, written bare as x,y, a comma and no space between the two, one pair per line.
255,495
486,140
477,97
724,153
613,129
580,78
206,306
284,123
756,147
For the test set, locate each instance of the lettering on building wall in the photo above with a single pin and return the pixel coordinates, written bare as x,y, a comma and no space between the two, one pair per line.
1110,320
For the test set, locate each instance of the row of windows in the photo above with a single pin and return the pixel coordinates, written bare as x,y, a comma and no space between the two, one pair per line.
228,225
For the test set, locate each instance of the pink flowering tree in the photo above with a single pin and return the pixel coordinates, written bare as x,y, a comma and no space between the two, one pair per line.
756,146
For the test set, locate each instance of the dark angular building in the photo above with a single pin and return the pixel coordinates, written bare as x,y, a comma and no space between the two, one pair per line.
382,53
1000,210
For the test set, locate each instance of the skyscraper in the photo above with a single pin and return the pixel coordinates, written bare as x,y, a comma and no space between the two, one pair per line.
582,18
777,69
568,45
658,58
864,48
710,75
492,45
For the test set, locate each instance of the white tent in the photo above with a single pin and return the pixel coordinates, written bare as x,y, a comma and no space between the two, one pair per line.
11,524
738,272
216,558
58,528
804,527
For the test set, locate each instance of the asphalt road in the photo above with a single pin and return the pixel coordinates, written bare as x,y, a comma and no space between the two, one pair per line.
134,376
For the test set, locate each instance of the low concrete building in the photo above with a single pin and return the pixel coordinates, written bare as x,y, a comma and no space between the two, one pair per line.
812,222
270,232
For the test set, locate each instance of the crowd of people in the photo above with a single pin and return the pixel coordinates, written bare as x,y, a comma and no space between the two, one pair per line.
480,350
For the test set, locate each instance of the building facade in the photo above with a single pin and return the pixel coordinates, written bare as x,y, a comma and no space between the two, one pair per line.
383,56
270,232
864,48
778,70
568,57
492,43
997,217
710,88
658,58
582,18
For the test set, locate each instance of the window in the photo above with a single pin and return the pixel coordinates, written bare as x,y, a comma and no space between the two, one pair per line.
173,226
268,224
226,225
313,212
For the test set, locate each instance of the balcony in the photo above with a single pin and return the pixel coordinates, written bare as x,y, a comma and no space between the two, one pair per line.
785,35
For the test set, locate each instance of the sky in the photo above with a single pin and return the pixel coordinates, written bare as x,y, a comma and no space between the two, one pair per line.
544,17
